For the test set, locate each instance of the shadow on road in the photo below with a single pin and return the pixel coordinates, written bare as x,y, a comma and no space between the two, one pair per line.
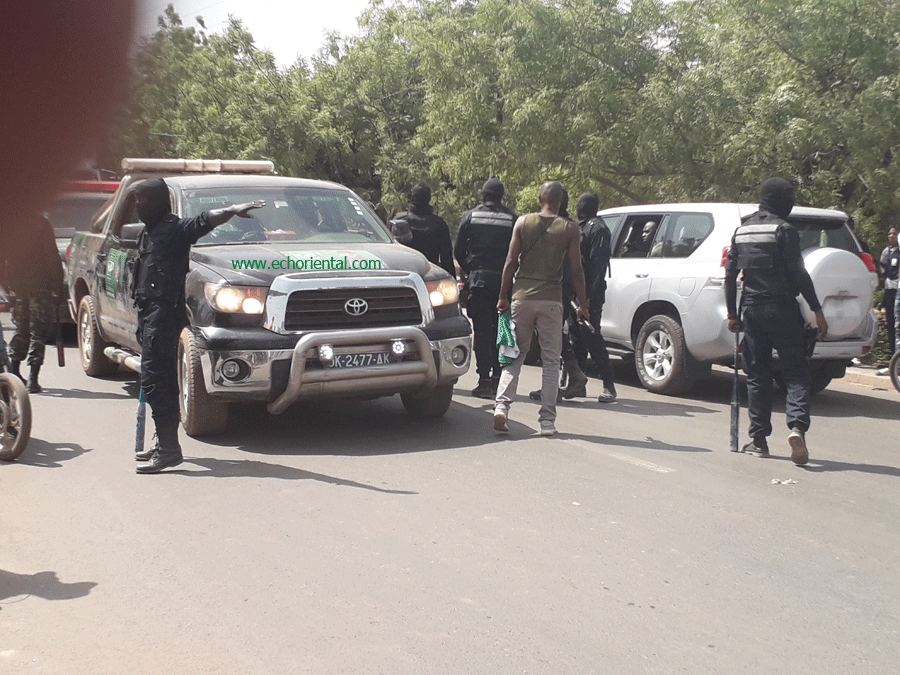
352,429
827,466
649,443
249,468
49,455
42,584
83,394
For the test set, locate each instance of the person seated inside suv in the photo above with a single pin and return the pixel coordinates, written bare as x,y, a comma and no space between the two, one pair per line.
638,246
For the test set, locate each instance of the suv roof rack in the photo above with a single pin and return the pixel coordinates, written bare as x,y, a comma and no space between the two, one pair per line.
197,165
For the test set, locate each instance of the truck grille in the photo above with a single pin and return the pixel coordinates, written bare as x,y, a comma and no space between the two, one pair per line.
323,309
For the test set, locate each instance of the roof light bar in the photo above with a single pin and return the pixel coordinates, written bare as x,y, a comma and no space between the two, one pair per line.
198,165
91,185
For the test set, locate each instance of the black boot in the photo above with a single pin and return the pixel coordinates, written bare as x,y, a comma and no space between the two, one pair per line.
33,386
609,392
14,369
167,453
483,390
146,454
577,381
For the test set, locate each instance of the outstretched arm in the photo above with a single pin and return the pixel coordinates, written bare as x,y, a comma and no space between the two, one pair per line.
217,217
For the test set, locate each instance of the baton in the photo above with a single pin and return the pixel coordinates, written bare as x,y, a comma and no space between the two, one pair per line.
735,398
60,347
141,422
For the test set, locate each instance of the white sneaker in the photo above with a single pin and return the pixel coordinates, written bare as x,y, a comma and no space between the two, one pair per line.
883,371
547,428
797,441
500,422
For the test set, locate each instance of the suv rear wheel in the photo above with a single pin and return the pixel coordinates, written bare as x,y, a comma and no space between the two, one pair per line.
660,356
201,414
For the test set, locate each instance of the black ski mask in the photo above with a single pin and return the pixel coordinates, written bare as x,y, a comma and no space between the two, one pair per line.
587,206
153,204
777,196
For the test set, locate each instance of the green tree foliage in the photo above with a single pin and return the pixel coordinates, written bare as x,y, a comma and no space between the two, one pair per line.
640,101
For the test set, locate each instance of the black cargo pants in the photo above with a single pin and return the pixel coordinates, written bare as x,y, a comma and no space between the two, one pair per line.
159,327
34,318
482,310
778,326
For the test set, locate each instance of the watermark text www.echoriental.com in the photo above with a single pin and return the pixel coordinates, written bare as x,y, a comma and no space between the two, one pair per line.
311,263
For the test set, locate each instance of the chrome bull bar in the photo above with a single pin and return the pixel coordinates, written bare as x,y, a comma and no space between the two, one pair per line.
424,371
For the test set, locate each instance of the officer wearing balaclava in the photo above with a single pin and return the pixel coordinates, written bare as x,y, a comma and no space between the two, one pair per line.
34,278
481,247
766,248
163,259
430,232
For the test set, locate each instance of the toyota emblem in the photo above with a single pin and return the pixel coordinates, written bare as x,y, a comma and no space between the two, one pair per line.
356,307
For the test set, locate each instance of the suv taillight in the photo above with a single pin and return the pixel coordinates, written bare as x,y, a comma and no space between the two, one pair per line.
869,261
724,256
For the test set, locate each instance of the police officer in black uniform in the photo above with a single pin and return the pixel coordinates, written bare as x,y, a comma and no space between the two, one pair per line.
481,247
34,278
889,264
767,249
162,264
430,232
595,254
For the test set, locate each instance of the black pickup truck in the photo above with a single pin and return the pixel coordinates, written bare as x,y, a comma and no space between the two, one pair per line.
312,297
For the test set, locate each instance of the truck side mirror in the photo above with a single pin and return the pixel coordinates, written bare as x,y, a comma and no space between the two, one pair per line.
130,233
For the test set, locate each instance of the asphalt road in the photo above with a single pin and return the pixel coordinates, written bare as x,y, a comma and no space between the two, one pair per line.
351,539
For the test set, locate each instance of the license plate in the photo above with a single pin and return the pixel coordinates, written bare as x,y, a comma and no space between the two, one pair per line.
360,360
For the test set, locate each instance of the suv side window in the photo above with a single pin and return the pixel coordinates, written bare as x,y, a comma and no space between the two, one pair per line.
684,232
638,235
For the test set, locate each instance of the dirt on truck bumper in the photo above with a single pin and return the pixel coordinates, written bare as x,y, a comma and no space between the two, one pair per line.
367,362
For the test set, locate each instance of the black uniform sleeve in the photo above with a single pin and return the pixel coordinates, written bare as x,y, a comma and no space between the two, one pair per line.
446,249
796,270
192,229
461,250
594,254
731,272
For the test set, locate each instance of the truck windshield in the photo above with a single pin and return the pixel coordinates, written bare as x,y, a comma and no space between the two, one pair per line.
290,214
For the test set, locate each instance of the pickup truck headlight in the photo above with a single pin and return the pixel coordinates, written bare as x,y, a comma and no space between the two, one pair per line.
442,292
236,299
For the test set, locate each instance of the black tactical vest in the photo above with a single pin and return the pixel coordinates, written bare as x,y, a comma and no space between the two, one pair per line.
158,273
759,256
489,236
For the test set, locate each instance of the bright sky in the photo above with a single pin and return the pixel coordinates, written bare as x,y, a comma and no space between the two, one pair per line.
287,28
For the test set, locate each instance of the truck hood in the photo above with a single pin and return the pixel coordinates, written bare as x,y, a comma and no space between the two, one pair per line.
260,264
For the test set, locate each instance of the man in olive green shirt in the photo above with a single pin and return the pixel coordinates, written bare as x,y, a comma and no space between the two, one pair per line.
541,244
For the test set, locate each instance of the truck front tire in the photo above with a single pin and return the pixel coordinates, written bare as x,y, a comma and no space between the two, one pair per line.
436,404
90,344
201,414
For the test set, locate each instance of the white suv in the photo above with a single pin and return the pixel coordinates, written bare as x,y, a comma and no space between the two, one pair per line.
665,301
